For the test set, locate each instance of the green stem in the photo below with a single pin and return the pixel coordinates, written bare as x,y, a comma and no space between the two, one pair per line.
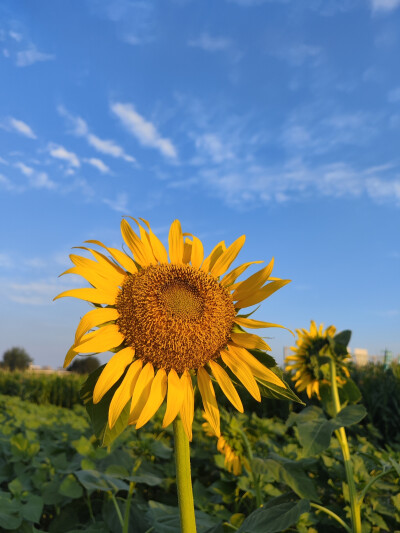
117,509
132,485
332,514
183,478
368,485
354,503
256,479
90,507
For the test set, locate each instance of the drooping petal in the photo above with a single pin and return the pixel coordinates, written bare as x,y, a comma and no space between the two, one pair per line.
174,397
187,408
135,244
112,372
261,294
123,259
94,318
175,243
96,296
230,278
249,340
141,392
101,340
250,285
225,260
155,399
70,355
259,371
209,400
124,392
226,385
159,250
241,371
209,261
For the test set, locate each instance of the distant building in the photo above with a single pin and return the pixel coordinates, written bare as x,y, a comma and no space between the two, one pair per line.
286,351
360,356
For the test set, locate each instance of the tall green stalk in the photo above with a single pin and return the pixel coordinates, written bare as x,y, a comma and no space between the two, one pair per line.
183,478
342,438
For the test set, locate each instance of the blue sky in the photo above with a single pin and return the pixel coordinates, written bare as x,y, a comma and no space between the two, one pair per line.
275,119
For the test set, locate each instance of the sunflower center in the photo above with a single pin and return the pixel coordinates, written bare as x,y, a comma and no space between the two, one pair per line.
175,316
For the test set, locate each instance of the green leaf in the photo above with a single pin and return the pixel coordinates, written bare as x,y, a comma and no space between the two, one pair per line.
9,512
33,508
166,519
263,357
349,392
343,337
94,480
161,450
98,412
70,487
349,415
274,518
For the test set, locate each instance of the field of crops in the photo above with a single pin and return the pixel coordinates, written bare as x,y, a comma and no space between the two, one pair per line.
53,476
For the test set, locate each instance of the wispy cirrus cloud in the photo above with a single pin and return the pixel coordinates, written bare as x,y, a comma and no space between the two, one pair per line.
18,126
385,6
36,179
119,203
59,152
30,56
106,146
99,164
211,44
144,131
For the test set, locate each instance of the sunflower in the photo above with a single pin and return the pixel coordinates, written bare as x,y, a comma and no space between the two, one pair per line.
234,459
307,359
171,318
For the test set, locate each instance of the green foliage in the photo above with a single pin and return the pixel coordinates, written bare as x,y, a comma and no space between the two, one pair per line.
84,365
54,478
16,359
55,389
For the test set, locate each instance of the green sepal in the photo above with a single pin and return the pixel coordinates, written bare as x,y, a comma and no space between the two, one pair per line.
98,412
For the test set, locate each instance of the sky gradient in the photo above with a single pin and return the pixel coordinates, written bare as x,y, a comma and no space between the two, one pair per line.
274,119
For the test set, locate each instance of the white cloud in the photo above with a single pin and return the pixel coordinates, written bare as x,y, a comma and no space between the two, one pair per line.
299,54
394,95
143,130
41,180
16,36
384,5
3,161
21,127
213,146
98,163
120,203
105,146
28,57
5,261
27,171
39,292
59,152
211,44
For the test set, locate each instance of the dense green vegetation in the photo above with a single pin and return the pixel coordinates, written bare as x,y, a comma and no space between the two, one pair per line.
54,478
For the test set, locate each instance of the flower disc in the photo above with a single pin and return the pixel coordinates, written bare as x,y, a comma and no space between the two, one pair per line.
175,316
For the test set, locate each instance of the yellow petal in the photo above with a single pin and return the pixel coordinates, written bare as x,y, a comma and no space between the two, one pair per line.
235,273
187,251
141,392
225,260
174,397
94,318
159,250
112,372
95,279
101,340
259,371
249,340
175,243
124,392
106,267
261,294
187,408
145,238
209,400
226,385
197,252
247,287
313,330
209,262
70,355
155,399
254,324
135,244
241,371
96,296
123,259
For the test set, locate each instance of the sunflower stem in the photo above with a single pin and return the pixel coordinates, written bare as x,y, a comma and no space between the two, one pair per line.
183,479
341,435
256,479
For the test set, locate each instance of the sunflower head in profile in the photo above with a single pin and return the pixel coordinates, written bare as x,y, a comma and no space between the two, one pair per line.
307,361
172,320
